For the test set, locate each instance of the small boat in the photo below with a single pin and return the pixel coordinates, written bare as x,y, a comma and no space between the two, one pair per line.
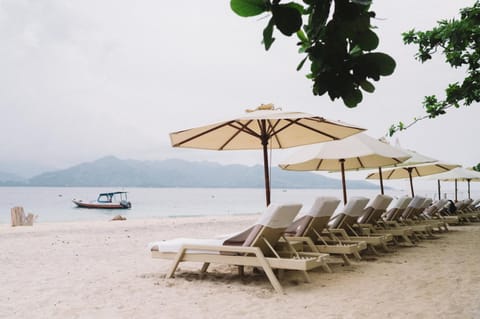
114,200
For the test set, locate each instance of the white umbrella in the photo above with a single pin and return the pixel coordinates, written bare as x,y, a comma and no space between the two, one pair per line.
410,171
359,151
459,174
415,159
263,128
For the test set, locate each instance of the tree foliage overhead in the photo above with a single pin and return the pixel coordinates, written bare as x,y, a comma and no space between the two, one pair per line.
459,41
337,38
476,167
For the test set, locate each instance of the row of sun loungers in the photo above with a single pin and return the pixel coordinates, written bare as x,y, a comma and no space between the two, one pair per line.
280,240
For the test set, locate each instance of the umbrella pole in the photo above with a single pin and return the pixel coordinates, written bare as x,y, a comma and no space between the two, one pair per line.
439,193
456,198
342,166
411,182
468,183
265,169
381,179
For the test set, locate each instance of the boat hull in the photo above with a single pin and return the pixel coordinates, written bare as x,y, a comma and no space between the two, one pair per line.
102,205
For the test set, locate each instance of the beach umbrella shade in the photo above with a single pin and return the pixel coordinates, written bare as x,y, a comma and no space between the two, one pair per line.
358,151
412,171
263,128
415,159
459,174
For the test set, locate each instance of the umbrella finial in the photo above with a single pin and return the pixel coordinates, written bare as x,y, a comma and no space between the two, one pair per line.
263,107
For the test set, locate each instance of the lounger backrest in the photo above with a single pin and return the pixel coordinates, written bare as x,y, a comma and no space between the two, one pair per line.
375,208
440,203
352,211
460,205
428,202
320,212
414,205
273,224
432,209
475,202
468,203
275,216
396,209
435,208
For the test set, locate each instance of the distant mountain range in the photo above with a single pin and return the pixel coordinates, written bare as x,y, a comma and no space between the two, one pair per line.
113,172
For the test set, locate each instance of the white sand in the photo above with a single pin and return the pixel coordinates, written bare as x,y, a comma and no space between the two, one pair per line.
104,270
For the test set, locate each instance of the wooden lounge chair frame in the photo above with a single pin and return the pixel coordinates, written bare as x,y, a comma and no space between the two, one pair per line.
260,254
346,220
311,229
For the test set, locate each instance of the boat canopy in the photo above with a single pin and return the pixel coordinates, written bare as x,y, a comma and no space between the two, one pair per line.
107,197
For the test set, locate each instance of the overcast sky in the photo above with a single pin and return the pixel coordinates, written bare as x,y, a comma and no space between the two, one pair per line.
84,79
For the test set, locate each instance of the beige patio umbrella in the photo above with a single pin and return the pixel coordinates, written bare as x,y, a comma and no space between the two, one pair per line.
411,171
263,128
415,159
459,174
359,151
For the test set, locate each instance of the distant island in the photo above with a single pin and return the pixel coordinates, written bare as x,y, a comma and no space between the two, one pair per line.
113,172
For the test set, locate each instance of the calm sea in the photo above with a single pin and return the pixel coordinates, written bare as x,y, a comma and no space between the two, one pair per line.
53,204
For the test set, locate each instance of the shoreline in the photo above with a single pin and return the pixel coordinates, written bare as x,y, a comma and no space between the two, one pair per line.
104,269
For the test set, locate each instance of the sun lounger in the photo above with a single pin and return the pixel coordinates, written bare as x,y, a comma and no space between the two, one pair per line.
432,215
395,211
467,211
410,218
252,247
311,229
344,223
376,208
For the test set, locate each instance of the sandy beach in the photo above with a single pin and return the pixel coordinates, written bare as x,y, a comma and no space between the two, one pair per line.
104,270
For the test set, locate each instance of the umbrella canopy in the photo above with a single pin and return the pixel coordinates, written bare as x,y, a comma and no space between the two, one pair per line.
415,158
263,128
411,171
359,151
459,174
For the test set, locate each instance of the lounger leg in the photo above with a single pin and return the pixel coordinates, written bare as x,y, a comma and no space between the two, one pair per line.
204,267
326,267
373,250
357,255
268,271
346,261
385,247
177,260
241,270
395,241
306,276
408,241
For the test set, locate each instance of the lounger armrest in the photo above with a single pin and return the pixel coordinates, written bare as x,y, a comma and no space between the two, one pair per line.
304,240
219,248
367,229
339,232
392,223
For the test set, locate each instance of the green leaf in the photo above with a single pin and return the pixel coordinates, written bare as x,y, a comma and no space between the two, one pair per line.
367,86
385,63
248,8
301,35
268,35
300,65
287,19
351,98
375,64
363,2
367,40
